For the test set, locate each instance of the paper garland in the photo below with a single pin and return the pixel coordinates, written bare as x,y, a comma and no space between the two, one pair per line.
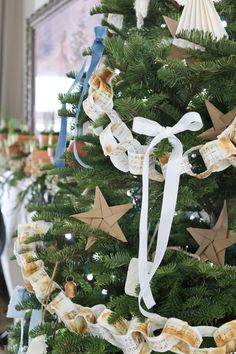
117,142
132,337
127,154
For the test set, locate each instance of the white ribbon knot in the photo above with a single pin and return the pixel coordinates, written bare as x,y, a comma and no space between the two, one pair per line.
190,121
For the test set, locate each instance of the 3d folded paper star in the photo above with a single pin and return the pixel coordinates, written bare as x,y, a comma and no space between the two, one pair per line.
104,218
220,121
176,52
213,242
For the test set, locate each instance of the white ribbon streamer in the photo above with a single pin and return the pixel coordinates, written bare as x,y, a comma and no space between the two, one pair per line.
190,121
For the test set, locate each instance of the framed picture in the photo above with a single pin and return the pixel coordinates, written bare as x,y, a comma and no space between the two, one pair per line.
57,34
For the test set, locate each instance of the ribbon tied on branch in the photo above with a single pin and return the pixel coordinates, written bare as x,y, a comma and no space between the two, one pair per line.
190,121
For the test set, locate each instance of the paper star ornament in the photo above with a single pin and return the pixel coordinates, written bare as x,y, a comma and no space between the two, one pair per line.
219,120
104,218
177,52
213,242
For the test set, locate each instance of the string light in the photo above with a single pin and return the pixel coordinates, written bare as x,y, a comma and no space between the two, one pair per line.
68,236
90,277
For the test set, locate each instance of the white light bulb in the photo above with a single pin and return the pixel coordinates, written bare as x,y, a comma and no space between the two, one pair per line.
90,277
68,236
224,23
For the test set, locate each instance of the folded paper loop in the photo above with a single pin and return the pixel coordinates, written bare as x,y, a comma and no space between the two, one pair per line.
190,121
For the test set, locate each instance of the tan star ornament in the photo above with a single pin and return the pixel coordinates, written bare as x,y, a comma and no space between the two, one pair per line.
104,218
176,52
213,242
219,120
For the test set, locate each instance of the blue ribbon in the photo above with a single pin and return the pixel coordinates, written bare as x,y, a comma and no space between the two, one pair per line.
61,145
97,52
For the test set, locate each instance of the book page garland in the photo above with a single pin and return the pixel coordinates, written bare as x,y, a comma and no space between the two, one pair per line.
127,154
132,337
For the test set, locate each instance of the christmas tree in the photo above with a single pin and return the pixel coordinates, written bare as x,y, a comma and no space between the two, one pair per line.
96,211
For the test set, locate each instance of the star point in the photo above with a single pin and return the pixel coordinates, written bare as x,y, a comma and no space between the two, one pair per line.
219,120
104,217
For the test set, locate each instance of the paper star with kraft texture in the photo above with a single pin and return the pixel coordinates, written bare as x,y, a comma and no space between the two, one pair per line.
219,120
177,52
104,217
213,242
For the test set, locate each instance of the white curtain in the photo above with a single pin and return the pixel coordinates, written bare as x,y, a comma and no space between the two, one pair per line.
12,58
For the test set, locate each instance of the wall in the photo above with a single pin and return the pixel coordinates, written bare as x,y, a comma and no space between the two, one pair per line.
32,5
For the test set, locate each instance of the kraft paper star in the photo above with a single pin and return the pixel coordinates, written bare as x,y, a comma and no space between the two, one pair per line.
176,52
104,218
213,242
220,121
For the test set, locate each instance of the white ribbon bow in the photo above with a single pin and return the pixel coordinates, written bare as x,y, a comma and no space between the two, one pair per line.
190,121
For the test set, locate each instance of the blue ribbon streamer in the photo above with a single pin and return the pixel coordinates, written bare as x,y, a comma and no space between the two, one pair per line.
97,52
61,144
